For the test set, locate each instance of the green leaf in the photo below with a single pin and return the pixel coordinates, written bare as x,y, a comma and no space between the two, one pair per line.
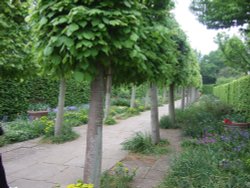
134,37
66,40
82,23
43,21
89,35
79,76
72,28
48,50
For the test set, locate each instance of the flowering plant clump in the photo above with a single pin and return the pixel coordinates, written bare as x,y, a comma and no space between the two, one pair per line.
80,184
227,121
118,176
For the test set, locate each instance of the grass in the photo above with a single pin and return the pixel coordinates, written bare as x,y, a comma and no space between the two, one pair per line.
142,143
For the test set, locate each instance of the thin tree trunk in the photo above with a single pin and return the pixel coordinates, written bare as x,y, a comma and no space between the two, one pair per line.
171,104
155,132
108,94
60,108
193,96
132,101
183,98
147,98
93,157
164,96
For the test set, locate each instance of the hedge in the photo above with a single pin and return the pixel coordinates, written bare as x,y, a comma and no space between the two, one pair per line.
207,89
15,96
236,93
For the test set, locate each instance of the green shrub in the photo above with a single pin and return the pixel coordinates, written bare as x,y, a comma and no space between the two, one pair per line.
118,177
15,96
204,116
213,161
120,102
110,121
142,143
237,94
75,118
165,123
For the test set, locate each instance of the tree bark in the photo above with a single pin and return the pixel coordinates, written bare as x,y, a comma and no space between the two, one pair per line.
171,104
183,98
93,157
155,132
108,94
60,108
132,101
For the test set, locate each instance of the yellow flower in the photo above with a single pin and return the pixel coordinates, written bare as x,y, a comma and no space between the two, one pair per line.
71,186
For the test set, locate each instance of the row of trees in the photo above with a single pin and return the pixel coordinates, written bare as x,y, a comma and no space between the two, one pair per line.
107,42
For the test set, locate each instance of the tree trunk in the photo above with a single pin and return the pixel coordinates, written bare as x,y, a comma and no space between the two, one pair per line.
132,101
164,96
171,104
60,108
193,94
155,132
108,94
93,157
183,98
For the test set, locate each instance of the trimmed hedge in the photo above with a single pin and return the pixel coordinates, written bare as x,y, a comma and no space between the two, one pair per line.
15,96
236,93
207,89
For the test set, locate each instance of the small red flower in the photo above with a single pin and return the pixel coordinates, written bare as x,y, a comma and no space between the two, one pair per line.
227,121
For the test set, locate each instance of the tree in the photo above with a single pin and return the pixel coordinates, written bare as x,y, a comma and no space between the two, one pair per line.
235,52
218,14
87,37
14,36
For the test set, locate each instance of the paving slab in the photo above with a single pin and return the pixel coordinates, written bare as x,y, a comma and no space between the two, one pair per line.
32,164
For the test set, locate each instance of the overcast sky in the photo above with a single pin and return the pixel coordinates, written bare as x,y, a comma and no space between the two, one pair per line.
200,38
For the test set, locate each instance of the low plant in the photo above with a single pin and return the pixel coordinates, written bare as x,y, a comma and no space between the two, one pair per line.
212,161
118,101
142,143
165,123
110,121
38,107
75,118
117,177
80,184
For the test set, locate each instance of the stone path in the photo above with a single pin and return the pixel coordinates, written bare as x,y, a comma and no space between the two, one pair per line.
32,164
152,169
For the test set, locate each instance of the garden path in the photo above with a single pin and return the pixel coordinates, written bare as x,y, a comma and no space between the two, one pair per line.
32,164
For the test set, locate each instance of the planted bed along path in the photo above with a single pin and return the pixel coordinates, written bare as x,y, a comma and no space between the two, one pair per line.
31,164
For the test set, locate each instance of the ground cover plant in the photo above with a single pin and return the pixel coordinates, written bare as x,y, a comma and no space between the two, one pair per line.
213,161
214,157
204,116
118,177
142,143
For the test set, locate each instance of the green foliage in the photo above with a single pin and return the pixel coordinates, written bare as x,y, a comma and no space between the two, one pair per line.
207,89
165,123
142,143
204,116
38,107
16,96
13,98
237,94
80,184
120,102
75,118
110,121
212,12
221,163
14,36
118,177
235,52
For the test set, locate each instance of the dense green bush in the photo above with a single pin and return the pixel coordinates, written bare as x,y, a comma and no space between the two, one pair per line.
165,123
202,117
207,89
237,94
15,96
142,143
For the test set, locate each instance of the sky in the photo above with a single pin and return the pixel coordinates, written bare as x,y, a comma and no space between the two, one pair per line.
199,36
